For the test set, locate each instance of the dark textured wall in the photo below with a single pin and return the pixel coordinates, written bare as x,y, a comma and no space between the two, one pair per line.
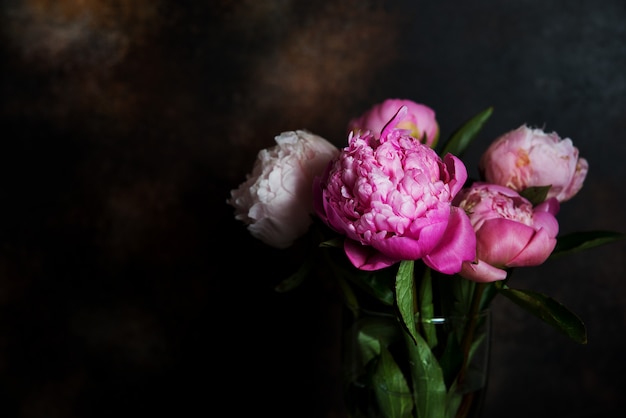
128,289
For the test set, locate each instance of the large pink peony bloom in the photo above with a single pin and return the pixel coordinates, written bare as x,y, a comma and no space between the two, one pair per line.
420,120
527,157
276,200
391,197
509,231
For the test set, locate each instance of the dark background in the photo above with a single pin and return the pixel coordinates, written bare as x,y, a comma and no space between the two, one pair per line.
128,289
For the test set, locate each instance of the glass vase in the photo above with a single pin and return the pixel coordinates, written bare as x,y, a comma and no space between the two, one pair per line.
389,374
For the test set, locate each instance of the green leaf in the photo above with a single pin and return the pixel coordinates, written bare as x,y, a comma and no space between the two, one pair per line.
429,388
379,283
453,400
427,309
455,294
583,240
296,278
390,387
451,358
489,293
457,401
405,295
349,297
463,291
372,333
336,242
463,137
548,310
536,194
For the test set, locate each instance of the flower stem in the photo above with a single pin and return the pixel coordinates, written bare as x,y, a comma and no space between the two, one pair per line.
427,309
468,338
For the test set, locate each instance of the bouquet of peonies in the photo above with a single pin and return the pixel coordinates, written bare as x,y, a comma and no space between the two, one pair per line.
395,219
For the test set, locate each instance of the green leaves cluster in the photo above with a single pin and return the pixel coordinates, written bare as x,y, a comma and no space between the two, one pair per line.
411,368
411,364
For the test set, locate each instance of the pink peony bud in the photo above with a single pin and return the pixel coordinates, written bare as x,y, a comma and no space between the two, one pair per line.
276,200
391,197
527,157
420,120
509,231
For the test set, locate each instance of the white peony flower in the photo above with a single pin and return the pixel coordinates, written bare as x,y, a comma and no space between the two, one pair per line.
276,200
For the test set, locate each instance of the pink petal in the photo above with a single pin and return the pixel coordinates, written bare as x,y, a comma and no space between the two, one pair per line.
457,245
536,252
457,172
397,118
501,240
365,257
550,205
547,221
482,272
411,248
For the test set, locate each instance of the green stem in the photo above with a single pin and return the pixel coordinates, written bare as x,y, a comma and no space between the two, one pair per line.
427,309
471,325
468,338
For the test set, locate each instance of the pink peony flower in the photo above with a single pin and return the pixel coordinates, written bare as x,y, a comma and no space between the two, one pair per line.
276,201
420,120
391,198
527,157
509,231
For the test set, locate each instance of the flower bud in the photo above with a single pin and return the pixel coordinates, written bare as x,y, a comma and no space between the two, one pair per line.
510,232
527,157
420,120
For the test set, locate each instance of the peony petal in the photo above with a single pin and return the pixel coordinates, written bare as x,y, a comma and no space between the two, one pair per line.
481,272
419,122
546,221
365,257
394,121
526,157
457,245
412,248
457,172
501,240
582,167
551,205
536,252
